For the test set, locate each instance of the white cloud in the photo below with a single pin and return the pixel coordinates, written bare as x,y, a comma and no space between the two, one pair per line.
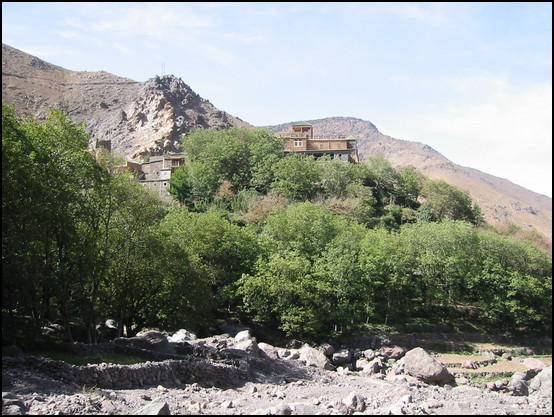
70,34
508,134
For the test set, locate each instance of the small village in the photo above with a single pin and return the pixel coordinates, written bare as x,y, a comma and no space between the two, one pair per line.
155,173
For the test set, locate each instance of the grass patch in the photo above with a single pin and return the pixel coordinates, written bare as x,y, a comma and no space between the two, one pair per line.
483,379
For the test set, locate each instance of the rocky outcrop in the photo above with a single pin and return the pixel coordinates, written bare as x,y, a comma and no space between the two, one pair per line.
136,118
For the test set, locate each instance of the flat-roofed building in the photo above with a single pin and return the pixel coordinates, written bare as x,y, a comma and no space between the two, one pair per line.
155,173
301,139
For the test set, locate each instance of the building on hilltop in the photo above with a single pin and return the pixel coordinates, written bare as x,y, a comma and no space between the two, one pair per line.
155,173
301,139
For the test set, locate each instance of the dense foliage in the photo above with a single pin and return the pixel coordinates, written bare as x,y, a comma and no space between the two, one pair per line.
309,246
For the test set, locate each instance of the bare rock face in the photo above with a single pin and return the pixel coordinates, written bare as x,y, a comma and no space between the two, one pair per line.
138,118
164,109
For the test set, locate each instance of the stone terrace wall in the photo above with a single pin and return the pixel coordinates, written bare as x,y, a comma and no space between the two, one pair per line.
167,373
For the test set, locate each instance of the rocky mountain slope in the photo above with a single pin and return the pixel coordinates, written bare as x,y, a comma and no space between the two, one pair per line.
501,200
137,117
148,117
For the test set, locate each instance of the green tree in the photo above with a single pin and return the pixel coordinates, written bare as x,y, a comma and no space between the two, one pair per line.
445,201
296,177
266,151
245,158
305,280
335,176
443,261
514,284
61,177
220,251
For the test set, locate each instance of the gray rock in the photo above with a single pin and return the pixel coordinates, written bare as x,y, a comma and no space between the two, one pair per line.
341,357
369,354
314,357
182,335
355,401
541,384
268,350
242,336
373,367
249,346
158,407
392,352
151,340
518,387
534,364
421,365
327,349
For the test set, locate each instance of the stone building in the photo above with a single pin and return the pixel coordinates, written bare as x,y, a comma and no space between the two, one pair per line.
155,173
301,139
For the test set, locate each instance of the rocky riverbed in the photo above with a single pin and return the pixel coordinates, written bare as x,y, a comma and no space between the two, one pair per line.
227,374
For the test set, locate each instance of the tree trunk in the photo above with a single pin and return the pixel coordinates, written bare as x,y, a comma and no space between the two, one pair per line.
67,323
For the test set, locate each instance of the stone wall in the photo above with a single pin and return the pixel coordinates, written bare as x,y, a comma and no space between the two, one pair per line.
149,374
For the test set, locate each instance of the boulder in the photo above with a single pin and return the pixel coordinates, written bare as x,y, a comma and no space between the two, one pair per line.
421,365
534,364
341,357
369,354
249,346
469,365
288,354
327,349
541,384
242,336
373,367
151,340
314,357
269,350
392,352
355,402
182,335
518,386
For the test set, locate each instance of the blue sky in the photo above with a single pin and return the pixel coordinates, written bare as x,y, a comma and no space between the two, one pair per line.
472,80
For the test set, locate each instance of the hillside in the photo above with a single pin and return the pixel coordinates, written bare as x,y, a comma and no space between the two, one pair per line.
148,118
501,200
137,117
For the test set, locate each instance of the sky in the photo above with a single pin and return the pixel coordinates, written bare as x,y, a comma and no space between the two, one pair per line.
471,80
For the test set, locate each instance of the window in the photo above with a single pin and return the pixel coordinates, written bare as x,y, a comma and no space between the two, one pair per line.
297,143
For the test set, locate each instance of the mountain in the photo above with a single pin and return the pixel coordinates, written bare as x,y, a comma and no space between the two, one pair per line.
142,118
137,117
500,200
